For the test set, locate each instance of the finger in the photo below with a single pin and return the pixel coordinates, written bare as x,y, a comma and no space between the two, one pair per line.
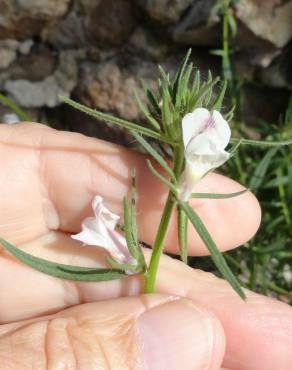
147,332
260,328
58,173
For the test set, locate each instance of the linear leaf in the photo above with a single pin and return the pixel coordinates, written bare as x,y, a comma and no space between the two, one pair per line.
218,102
217,196
262,143
179,75
161,178
23,116
150,96
154,154
261,169
128,230
216,256
146,112
68,272
109,118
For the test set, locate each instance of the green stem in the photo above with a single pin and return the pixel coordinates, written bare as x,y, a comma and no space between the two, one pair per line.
151,274
226,59
158,245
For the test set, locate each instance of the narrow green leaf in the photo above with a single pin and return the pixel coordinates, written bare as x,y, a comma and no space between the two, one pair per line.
108,118
161,178
68,272
262,143
229,115
204,90
218,102
196,83
120,266
154,154
217,52
164,75
167,116
151,98
261,170
146,112
183,86
23,116
133,207
216,256
128,230
179,75
134,227
217,196
182,222
232,24
234,148
210,92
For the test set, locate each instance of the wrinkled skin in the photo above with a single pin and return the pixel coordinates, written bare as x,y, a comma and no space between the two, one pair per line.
195,321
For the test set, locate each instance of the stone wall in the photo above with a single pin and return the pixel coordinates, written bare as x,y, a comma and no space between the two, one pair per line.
96,51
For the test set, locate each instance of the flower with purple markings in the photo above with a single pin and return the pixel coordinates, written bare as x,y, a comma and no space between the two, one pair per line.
205,136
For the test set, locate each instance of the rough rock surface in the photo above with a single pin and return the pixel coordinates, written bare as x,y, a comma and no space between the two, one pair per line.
7,52
270,20
165,11
110,86
196,27
24,18
97,50
111,22
45,92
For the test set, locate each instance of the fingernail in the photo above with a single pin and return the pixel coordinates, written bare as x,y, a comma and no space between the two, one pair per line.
178,335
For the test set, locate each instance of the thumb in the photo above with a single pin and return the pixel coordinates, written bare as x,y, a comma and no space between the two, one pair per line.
145,332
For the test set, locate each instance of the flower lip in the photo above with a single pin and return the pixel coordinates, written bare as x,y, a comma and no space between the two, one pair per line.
100,231
205,136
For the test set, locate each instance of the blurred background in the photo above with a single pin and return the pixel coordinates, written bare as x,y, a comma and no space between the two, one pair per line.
96,51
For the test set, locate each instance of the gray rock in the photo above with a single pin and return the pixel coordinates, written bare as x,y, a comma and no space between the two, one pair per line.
42,8
46,92
110,87
7,52
111,23
164,11
197,25
279,72
144,44
269,20
36,66
69,32
25,18
25,46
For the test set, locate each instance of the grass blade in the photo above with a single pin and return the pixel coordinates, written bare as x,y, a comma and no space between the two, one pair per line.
23,116
261,169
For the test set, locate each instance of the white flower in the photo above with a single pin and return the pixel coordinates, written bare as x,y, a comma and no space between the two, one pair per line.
205,136
100,231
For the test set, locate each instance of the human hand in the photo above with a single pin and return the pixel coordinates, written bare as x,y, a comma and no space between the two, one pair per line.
196,321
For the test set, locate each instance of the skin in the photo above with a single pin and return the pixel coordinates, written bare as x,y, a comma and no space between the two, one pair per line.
194,321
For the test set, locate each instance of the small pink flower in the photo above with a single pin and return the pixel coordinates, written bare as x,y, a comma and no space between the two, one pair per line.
100,231
205,136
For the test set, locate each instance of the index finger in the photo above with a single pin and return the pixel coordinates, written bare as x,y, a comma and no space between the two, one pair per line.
70,169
